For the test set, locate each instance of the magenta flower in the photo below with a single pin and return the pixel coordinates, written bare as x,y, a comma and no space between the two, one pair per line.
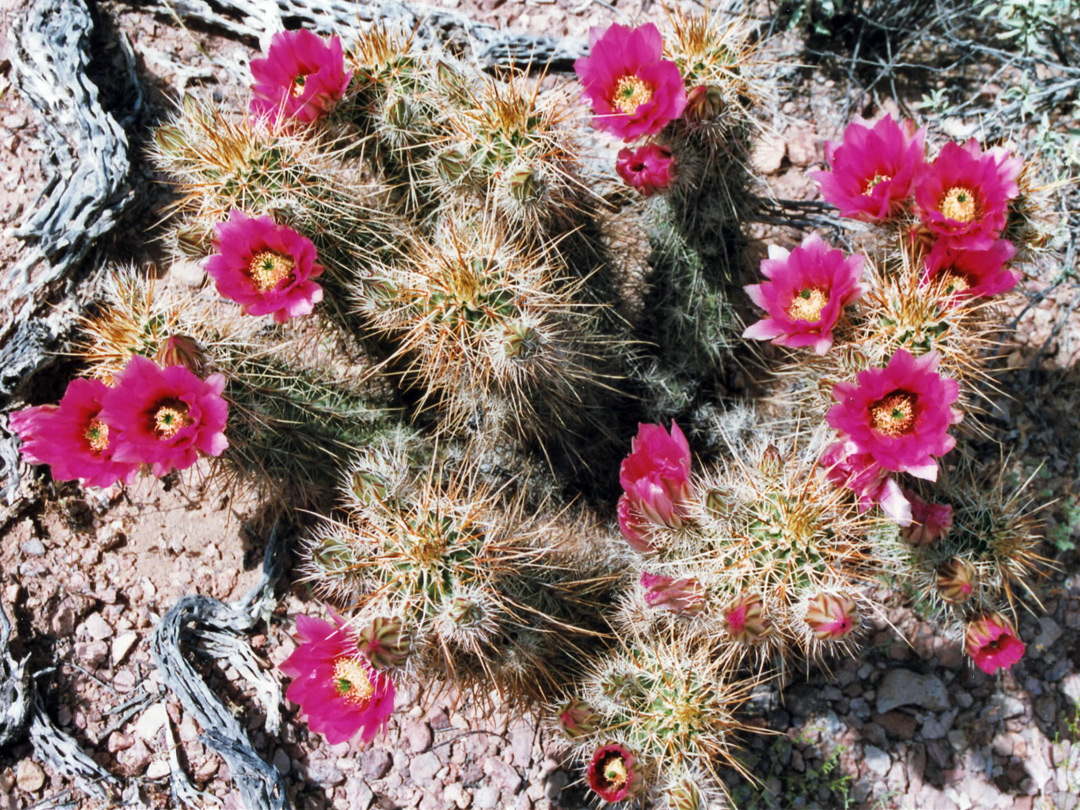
969,273
929,521
335,684
265,267
848,468
72,438
684,596
165,417
634,91
873,169
805,296
648,168
656,475
963,196
899,414
831,616
614,774
301,77
992,643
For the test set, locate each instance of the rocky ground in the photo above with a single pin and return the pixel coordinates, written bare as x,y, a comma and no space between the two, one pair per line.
908,724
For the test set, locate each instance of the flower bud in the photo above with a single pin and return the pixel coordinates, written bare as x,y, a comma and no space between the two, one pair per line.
684,596
526,186
956,579
182,350
831,616
521,342
686,796
704,104
577,719
772,463
720,502
452,165
385,643
745,619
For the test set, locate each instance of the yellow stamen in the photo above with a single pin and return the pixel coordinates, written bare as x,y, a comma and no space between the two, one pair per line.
894,414
171,419
614,770
630,93
352,681
807,304
877,178
958,203
953,283
268,269
97,434
298,85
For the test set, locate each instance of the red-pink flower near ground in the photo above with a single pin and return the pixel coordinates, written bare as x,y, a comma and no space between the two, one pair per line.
805,295
849,468
656,474
992,643
963,196
968,273
648,168
899,414
633,526
265,267
634,91
873,169
745,619
831,616
929,521
613,773
684,596
72,438
165,417
335,684
301,77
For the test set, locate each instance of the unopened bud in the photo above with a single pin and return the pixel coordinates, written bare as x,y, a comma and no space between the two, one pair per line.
385,643
464,612
832,616
526,186
956,579
704,104
521,342
746,620
368,486
686,796
772,463
182,350
577,719
452,165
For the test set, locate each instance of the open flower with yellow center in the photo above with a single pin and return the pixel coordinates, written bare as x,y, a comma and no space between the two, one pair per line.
72,438
805,295
963,196
265,266
872,171
960,274
166,417
634,91
335,684
614,773
301,77
899,415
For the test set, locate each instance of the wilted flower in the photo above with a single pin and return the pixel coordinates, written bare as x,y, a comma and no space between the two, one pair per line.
992,643
929,521
72,438
265,267
956,579
968,273
873,169
385,643
577,719
656,474
684,596
831,616
613,773
805,296
847,467
963,196
634,91
335,684
301,77
899,414
648,168
745,619
165,417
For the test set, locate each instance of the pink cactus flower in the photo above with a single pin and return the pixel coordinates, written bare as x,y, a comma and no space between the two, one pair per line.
899,414
963,274
847,467
165,417
873,169
684,596
72,438
265,267
656,474
634,91
301,77
633,526
929,521
805,296
831,616
992,643
648,168
613,773
963,196
745,619
335,684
